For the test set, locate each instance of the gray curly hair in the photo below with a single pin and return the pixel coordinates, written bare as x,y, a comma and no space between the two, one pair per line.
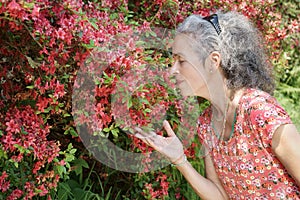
243,58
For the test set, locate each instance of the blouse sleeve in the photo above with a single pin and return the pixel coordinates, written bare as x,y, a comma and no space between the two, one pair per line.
266,115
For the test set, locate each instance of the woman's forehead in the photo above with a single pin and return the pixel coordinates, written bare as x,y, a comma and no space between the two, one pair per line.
181,44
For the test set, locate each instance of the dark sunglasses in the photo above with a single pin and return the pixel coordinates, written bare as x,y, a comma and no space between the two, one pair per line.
213,19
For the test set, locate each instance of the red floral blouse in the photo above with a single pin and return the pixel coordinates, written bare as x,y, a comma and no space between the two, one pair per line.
245,163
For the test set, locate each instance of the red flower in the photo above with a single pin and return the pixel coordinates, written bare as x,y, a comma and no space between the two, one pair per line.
14,6
35,12
37,167
16,194
59,90
42,103
43,190
4,185
60,34
12,126
165,186
17,158
177,195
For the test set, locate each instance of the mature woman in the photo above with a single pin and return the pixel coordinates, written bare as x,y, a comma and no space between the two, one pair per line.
252,147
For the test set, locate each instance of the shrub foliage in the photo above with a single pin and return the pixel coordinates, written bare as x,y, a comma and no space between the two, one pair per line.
43,45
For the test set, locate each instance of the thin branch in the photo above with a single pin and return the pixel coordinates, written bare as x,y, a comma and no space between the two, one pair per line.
26,27
32,35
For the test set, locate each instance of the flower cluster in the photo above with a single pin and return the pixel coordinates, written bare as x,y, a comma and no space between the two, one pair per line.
28,159
158,189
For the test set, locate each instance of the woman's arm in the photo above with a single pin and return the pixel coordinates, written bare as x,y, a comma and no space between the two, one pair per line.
206,188
171,147
286,146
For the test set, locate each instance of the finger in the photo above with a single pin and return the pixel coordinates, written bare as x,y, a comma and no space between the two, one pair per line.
150,142
168,128
141,137
147,140
138,135
142,134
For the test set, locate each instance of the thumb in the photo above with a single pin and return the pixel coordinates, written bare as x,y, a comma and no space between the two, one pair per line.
168,128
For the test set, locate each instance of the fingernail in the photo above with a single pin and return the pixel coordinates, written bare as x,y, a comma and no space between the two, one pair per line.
165,122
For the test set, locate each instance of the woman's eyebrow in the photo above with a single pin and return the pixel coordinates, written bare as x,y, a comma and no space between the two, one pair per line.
175,56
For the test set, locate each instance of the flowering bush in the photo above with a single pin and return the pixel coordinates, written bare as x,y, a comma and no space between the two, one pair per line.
44,44
29,162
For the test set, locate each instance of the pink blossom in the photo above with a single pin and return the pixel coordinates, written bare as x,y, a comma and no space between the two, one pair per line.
4,185
59,90
16,194
42,103
177,195
60,34
62,163
43,190
14,6
12,126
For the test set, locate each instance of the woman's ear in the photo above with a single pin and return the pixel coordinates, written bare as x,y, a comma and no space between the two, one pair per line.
215,58
212,62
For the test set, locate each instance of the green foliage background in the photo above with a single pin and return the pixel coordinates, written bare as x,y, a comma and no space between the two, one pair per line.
287,68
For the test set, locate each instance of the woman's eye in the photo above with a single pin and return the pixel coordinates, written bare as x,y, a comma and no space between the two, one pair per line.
179,59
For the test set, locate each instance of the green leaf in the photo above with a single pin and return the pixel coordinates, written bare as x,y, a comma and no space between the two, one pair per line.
70,146
47,110
83,163
92,43
63,191
129,103
3,154
61,105
32,63
20,148
73,132
79,164
114,16
60,169
148,110
93,23
28,5
16,164
106,130
73,151
69,157
80,194
66,115
115,132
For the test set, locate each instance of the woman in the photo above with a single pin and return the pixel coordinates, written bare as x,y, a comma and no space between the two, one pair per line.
252,147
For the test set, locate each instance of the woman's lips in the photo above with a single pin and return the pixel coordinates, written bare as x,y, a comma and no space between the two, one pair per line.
178,82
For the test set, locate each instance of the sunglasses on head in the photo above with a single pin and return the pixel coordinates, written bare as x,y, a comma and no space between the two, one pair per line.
213,19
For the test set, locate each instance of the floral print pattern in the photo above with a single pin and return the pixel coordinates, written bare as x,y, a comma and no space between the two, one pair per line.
245,163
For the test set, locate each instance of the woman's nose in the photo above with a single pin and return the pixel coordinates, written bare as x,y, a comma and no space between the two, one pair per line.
174,68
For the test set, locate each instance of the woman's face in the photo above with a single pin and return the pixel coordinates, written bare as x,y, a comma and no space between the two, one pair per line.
188,70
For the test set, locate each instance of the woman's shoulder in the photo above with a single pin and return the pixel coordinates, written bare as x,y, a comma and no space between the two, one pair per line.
256,94
261,106
253,97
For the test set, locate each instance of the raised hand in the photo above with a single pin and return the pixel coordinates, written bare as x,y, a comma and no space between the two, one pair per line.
169,146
